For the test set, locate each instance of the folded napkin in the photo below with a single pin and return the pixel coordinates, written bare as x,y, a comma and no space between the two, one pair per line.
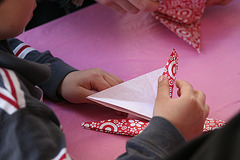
132,127
183,18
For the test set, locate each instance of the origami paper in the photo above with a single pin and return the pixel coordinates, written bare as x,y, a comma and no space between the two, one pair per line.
127,127
132,127
171,70
183,18
137,96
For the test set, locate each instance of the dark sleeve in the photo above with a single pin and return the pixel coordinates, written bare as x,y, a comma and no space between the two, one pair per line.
59,69
220,144
155,142
29,130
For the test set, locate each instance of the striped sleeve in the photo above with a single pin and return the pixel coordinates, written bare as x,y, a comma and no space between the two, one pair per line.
62,155
59,69
22,50
11,96
28,127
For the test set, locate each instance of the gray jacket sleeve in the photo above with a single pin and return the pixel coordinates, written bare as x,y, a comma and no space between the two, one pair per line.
155,142
59,69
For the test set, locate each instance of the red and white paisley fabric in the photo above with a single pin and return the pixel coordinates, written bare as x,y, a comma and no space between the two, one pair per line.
183,18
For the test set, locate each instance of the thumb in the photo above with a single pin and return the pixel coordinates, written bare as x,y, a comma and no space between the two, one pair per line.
154,5
162,95
163,88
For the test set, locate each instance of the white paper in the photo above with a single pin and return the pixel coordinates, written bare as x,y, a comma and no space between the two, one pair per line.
136,96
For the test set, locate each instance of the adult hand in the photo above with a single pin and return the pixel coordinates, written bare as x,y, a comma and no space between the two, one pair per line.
131,6
217,2
187,113
77,85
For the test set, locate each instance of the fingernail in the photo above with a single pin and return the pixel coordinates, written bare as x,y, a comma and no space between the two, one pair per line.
160,78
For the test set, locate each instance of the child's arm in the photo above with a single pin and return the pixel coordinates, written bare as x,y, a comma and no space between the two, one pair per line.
84,82
65,81
174,121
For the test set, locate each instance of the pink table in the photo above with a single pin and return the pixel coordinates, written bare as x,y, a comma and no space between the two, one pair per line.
131,45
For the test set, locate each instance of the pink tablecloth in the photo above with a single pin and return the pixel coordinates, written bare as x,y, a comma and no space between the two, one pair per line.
131,45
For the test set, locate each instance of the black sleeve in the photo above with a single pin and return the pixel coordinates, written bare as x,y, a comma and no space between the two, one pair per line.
220,144
155,142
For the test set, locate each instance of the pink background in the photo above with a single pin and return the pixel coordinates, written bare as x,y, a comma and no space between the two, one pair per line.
131,45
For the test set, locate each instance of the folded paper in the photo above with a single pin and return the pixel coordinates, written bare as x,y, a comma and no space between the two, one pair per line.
132,127
127,127
137,96
183,18
170,70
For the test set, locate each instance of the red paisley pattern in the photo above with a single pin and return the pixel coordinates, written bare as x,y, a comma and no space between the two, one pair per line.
132,127
128,127
183,18
170,70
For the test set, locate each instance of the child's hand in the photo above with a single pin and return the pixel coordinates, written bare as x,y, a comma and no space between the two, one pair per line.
131,6
77,85
187,112
217,2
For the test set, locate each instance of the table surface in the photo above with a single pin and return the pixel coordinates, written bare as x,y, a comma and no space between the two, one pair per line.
131,45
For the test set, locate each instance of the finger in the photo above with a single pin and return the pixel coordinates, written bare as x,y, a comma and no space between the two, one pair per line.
200,96
117,8
217,2
206,109
185,88
80,96
100,84
212,2
225,2
128,6
85,92
119,80
179,92
209,3
110,80
163,88
146,5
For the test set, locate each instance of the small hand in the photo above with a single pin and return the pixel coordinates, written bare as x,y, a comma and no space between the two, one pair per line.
217,2
131,6
187,112
77,85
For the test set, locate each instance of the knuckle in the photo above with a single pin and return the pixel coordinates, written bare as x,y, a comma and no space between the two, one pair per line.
98,69
192,99
96,72
196,103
